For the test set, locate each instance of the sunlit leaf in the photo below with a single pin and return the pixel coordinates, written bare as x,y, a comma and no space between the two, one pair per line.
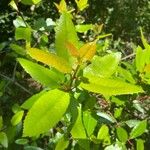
65,31
107,86
45,113
82,4
87,51
139,129
30,2
139,144
41,74
104,66
50,59
103,132
72,49
78,130
83,27
17,118
62,7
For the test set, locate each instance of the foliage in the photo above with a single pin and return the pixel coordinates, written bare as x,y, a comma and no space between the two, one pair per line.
86,96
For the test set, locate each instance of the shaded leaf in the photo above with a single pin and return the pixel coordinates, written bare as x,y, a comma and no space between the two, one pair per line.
3,139
122,134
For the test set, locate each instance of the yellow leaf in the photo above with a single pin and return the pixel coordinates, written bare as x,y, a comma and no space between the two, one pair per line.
62,7
50,59
87,51
72,49
147,68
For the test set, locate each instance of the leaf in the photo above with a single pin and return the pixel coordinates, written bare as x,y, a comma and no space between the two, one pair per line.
32,148
13,5
23,33
62,144
122,134
72,49
21,141
104,66
103,132
41,74
103,36
62,7
3,139
16,119
139,129
140,59
83,27
89,123
132,123
82,4
29,102
144,41
18,49
87,51
139,144
45,113
50,59
65,31
107,117
109,86
126,75
30,2
78,130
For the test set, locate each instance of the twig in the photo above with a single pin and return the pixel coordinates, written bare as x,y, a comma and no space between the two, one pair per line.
128,56
16,83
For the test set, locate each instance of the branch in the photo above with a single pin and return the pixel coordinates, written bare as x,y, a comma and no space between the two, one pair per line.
16,83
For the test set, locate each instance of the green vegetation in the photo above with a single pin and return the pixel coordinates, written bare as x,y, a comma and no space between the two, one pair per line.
66,80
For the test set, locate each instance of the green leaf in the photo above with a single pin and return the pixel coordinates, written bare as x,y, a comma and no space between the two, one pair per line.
30,2
139,129
82,4
1,122
107,117
104,66
18,49
23,34
122,134
50,59
109,86
45,112
62,144
21,141
78,130
3,139
139,144
41,74
32,148
89,123
65,31
144,41
103,132
83,27
29,102
132,123
17,118
126,75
